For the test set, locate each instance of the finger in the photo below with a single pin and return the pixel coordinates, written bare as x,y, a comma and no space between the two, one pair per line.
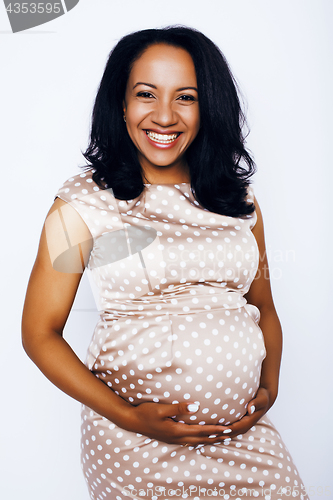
259,402
244,424
176,409
251,408
209,433
237,427
204,441
195,435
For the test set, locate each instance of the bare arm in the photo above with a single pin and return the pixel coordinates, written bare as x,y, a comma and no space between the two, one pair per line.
260,295
49,299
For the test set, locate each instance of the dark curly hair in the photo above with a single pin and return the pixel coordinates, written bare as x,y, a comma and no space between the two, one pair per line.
220,166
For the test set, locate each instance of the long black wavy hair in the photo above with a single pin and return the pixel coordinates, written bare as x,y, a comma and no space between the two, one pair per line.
220,166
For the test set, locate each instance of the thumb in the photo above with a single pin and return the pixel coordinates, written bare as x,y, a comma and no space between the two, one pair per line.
251,408
259,402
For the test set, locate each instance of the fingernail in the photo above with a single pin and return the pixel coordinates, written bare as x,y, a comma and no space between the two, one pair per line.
212,436
227,431
253,409
192,407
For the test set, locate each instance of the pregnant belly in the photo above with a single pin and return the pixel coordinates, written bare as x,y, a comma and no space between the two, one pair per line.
212,358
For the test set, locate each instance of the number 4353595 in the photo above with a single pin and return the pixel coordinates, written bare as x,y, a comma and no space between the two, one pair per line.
34,8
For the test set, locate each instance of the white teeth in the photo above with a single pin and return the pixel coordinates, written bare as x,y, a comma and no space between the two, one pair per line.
163,138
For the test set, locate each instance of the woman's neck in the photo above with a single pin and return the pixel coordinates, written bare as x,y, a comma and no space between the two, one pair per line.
165,175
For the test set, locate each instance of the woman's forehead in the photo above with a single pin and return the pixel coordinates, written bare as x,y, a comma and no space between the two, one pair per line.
164,64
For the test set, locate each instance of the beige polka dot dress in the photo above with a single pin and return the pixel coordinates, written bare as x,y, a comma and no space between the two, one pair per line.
169,279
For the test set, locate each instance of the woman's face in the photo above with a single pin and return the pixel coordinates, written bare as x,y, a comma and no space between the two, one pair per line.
162,111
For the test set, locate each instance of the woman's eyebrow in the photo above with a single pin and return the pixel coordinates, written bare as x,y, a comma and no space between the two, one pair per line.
144,83
154,86
187,88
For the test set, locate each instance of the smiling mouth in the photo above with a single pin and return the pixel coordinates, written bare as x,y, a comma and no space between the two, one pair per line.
162,138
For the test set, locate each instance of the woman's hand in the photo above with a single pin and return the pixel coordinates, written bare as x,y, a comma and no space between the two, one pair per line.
155,420
256,409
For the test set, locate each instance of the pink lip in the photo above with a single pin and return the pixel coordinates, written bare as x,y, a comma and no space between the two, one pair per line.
159,145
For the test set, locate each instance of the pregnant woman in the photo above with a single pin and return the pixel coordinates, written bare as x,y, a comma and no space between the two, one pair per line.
184,360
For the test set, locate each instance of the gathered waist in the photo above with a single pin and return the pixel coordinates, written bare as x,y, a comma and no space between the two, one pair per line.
160,309
184,300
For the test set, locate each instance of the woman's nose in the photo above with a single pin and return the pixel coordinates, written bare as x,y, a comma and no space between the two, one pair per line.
164,114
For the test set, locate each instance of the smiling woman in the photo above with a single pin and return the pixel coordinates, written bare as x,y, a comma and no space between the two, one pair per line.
162,111
184,360
218,162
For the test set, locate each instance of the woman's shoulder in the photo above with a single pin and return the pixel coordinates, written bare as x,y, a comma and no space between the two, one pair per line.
78,186
90,201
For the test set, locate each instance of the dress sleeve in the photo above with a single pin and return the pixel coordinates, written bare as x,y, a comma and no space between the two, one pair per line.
83,194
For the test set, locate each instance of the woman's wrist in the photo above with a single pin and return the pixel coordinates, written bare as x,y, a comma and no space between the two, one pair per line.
272,393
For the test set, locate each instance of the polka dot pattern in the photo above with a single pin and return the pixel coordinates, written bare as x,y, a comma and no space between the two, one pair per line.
169,279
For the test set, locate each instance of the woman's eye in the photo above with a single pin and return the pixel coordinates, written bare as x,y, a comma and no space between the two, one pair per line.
146,95
186,97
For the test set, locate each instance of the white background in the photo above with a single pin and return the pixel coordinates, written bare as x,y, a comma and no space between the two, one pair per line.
281,54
